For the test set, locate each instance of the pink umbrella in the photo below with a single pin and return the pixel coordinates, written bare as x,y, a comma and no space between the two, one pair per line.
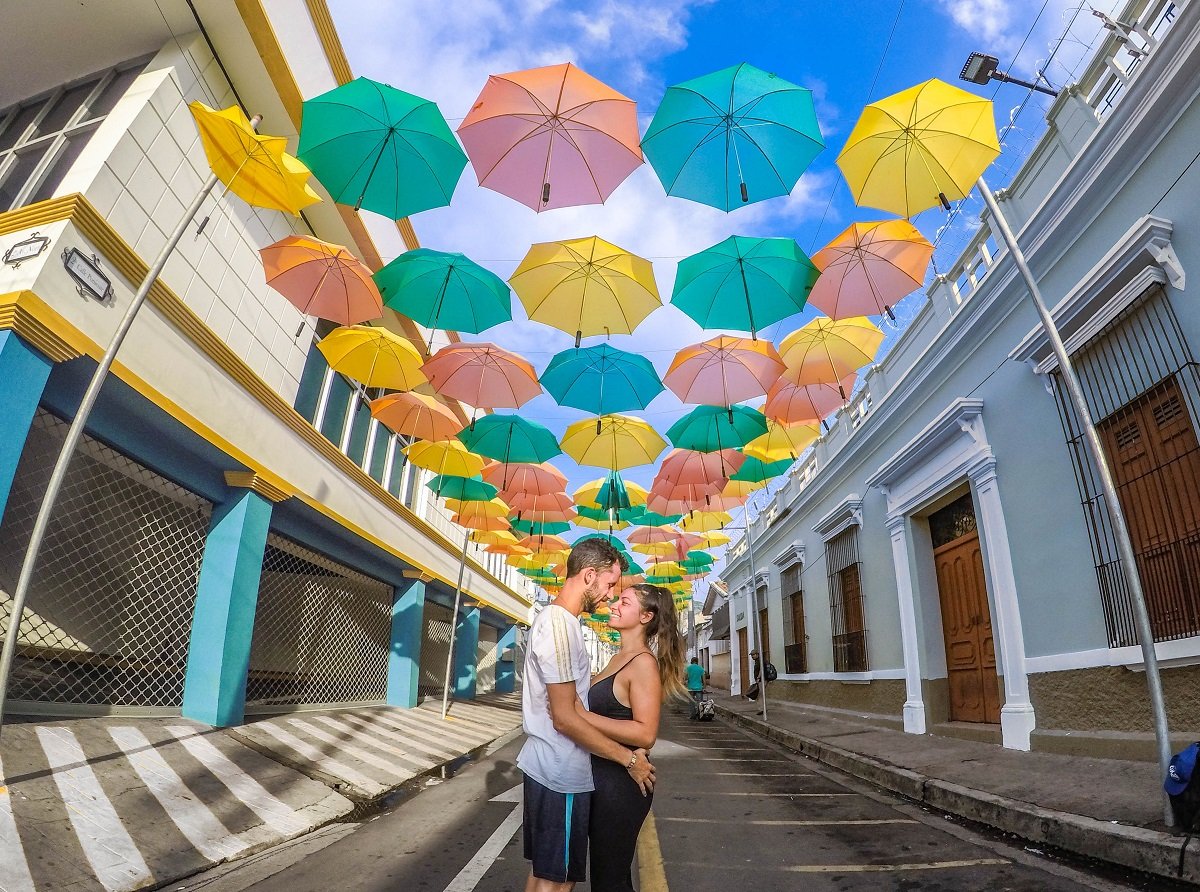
867,269
322,279
517,478
724,370
662,505
551,137
711,469
543,503
791,403
650,535
482,375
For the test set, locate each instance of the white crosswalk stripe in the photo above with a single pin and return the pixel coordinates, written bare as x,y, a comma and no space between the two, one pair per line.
414,753
358,752
14,869
318,758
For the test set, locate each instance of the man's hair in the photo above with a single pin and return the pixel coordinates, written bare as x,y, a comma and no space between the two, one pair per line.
599,554
696,661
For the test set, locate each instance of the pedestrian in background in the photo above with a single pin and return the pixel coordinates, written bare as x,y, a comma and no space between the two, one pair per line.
696,676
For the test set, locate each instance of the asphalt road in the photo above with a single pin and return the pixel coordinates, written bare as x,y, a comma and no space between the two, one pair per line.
731,812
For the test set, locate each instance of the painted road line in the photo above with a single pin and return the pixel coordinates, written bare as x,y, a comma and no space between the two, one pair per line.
468,878
733,759
768,823
417,722
203,830
106,843
740,793
759,774
319,760
844,868
14,869
412,756
276,814
386,732
652,876
358,752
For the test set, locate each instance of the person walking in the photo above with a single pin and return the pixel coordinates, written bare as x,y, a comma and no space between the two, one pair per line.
555,758
696,676
625,704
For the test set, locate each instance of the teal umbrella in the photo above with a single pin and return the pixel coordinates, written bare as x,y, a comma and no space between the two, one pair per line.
664,579
755,470
379,148
444,290
613,516
697,561
733,137
601,379
744,283
654,519
613,495
509,438
711,428
465,489
538,528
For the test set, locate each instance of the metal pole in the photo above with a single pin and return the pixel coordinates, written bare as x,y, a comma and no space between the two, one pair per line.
462,566
1120,527
762,651
75,433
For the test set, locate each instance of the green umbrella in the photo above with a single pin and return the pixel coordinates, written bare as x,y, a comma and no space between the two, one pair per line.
654,519
601,379
697,561
664,580
443,290
744,283
755,470
379,148
711,428
616,515
465,489
607,537
613,495
510,438
538,528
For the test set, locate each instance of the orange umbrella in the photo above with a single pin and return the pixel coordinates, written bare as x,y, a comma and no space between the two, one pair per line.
519,477
662,504
545,542
826,350
508,549
647,535
723,371
416,415
708,470
480,522
482,375
550,503
870,267
791,403
322,279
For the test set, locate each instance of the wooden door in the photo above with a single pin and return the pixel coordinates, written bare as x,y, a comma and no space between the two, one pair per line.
967,625
744,663
764,646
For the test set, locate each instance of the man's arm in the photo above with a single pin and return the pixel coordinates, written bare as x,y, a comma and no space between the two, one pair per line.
572,725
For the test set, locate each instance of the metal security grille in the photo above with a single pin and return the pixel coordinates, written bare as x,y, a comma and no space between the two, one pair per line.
322,632
110,609
486,656
846,603
795,641
1143,387
434,648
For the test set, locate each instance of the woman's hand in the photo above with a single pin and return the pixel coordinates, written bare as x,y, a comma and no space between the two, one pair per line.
642,772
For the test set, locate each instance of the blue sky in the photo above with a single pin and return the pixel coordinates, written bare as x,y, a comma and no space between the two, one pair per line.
445,51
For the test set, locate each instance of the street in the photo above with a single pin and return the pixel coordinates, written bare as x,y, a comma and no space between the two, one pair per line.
730,810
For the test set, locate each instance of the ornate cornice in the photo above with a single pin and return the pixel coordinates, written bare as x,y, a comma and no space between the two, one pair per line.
256,483
23,312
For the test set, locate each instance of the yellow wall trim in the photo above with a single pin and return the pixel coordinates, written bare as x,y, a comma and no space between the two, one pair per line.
255,483
318,11
22,312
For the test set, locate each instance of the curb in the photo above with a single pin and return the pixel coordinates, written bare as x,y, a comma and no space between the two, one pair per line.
1149,851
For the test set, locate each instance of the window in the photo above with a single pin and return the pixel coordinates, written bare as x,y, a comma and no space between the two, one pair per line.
795,650
846,603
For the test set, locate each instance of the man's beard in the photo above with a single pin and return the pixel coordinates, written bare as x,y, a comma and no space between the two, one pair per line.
591,598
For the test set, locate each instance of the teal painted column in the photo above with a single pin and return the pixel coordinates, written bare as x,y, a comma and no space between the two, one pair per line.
466,645
23,371
506,670
223,624
408,629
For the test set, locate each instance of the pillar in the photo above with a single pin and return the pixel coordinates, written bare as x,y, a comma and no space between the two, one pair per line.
408,629
466,647
506,669
914,704
226,598
24,371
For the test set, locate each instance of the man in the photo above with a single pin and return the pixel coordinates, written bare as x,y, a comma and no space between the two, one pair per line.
555,757
755,676
695,685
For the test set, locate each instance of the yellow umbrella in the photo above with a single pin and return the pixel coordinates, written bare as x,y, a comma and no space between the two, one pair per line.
603,525
586,495
714,539
704,521
252,166
467,508
657,549
445,457
586,287
741,488
615,442
825,350
493,537
373,356
504,547
921,146
781,441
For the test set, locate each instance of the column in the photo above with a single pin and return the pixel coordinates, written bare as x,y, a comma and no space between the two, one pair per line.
226,598
24,372
466,645
914,703
506,669
408,629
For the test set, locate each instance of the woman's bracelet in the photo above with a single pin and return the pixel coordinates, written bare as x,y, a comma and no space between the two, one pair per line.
633,757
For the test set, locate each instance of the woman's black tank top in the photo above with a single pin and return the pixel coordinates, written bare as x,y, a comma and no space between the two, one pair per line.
602,698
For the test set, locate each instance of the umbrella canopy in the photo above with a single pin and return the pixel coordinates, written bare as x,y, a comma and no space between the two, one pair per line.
589,495
511,549
647,535
321,279
444,290
676,503
509,439
704,521
601,519
921,146
373,356
253,167
825,351
697,560
494,537
714,539
466,489
726,501
490,508
544,503
601,379
416,415
712,428
744,283
474,521
379,148
655,519
482,375
670,549
534,479
792,403
869,268
615,442
707,470
445,457
782,442
723,370
586,287
538,527
551,137
756,471
545,542
731,137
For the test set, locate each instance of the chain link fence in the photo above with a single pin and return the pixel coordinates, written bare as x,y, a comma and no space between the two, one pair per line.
322,632
110,609
434,648
486,656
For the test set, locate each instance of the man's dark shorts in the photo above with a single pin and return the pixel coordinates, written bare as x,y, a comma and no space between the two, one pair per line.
556,833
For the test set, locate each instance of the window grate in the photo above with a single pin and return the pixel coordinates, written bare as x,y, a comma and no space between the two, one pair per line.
846,605
795,641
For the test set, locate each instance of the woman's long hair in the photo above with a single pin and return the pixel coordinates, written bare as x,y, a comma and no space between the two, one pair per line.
663,637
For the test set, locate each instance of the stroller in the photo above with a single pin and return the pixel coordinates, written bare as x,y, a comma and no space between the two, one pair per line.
706,707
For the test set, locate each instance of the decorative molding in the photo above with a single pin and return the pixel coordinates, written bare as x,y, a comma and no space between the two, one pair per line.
847,513
23,311
256,483
322,21
762,579
793,554
419,575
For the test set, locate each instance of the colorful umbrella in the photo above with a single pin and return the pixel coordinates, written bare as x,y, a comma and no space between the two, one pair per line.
648,535
589,495
756,471
869,268
714,539
416,415
825,351
483,376
704,521
466,489
601,379
543,503
321,279
445,457
534,479
921,146
735,136
379,148
711,428
782,442
791,403
706,471
506,548
654,519
491,508
445,291
723,370
681,504
494,537
744,283
602,518
474,521
509,439
615,442
697,560
551,137
373,356
586,287
544,542
539,527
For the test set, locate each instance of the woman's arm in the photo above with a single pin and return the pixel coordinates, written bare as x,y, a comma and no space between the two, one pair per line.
645,698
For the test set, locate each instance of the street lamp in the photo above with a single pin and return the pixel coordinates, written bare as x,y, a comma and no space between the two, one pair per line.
981,68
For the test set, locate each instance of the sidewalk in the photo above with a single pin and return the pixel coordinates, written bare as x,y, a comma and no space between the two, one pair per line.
130,803
1100,808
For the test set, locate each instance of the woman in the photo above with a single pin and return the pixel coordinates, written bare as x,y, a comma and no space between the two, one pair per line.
624,702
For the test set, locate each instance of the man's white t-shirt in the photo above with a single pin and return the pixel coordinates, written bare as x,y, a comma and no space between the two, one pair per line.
554,653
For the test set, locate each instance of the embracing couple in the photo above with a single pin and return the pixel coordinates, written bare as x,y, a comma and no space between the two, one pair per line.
587,772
